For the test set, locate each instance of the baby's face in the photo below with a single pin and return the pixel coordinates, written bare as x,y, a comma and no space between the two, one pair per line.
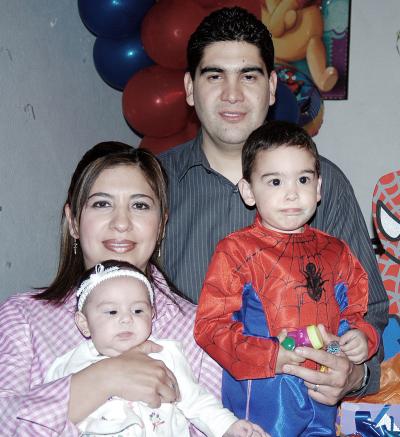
117,315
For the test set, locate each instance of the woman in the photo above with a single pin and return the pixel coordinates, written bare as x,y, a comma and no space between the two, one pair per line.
116,208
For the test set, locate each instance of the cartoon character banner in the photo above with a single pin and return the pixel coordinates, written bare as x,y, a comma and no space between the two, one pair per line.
313,37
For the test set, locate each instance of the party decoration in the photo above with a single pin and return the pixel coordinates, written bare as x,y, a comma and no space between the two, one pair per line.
386,217
312,36
158,145
113,18
166,29
154,102
117,60
285,107
309,100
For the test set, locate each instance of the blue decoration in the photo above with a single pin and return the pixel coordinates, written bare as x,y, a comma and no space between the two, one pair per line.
117,60
391,337
113,18
285,107
367,427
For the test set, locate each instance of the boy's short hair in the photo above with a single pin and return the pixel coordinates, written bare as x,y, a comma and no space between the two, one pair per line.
230,24
274,134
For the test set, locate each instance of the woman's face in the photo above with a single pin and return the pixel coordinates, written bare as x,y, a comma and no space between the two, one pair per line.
121,219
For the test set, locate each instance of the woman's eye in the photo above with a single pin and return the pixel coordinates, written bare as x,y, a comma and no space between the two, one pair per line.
141,205
100,204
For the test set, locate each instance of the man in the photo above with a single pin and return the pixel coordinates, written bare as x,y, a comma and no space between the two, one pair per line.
231,84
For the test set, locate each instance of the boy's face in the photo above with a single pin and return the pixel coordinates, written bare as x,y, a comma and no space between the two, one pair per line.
284,187
231,92
117,315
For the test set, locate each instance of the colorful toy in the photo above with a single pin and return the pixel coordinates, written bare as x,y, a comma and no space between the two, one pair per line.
307,336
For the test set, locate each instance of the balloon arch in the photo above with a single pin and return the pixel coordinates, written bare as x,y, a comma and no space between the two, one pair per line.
140,49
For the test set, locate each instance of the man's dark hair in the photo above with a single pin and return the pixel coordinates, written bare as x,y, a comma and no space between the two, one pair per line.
230,24
272,135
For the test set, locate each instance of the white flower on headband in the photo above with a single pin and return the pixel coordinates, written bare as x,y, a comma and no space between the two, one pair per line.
101,274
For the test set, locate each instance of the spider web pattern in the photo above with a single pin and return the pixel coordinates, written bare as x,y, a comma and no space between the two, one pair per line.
275,266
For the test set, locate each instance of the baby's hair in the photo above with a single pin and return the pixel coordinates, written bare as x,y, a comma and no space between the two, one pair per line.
108,270
274,134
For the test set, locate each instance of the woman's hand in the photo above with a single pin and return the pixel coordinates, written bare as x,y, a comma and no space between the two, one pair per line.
133,376
331,386
137,377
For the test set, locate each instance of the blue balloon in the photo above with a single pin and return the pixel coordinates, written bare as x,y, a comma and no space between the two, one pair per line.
286,107
113,18
117,60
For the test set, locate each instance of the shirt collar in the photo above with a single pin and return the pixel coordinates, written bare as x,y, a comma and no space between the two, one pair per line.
194,156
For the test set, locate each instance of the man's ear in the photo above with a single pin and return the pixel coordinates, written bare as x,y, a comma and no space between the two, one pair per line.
273,82
82,324
319,189
188,82
72,225
246,192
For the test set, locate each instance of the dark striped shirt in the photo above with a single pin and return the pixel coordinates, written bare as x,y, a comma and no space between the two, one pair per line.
205,207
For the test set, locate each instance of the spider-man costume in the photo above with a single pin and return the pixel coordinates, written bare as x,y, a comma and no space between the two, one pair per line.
259,282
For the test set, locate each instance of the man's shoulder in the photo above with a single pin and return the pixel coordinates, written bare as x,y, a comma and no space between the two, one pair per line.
329,170
171,159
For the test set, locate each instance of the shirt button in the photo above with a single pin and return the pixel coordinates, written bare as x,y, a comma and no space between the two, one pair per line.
236,190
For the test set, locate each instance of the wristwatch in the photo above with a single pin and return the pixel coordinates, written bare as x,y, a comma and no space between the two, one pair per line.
364,382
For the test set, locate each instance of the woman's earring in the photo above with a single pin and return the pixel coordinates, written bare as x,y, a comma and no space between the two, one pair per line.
159,251
75,246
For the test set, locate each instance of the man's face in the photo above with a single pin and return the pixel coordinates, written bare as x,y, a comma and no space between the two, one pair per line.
231,93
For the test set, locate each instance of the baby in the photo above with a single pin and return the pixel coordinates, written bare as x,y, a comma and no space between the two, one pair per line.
115,310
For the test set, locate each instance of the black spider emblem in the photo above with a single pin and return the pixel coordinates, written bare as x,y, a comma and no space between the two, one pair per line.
314,282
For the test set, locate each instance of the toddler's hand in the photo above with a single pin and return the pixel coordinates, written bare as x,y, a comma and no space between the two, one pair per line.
355,345
244,428
285,356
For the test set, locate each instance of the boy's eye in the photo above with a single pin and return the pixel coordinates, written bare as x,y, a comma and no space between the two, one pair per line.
275,182
137,311
304,179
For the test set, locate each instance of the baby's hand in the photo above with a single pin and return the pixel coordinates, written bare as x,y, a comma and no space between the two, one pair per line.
244,428
355,345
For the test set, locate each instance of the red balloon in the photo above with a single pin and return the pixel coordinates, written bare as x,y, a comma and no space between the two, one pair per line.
166,29
154,102
158,145
253,6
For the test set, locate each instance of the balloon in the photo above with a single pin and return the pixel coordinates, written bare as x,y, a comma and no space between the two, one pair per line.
154,102
253,6
113,18
117,60
285,107
158,145
166,29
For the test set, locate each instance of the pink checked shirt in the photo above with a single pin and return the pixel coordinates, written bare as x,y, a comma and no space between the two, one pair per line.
33,333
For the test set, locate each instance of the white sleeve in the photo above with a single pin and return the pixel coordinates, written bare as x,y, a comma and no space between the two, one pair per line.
201,408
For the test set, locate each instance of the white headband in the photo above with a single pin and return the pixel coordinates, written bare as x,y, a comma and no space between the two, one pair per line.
101,274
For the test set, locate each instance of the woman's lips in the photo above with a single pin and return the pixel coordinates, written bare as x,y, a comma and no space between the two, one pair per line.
119,246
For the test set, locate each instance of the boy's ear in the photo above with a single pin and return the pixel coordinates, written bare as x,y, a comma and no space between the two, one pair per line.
246,192
82,324
319,189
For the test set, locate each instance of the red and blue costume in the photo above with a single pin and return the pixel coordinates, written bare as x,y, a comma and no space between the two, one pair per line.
260,282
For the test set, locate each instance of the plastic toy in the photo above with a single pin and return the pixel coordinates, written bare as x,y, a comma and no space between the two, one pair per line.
307,336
